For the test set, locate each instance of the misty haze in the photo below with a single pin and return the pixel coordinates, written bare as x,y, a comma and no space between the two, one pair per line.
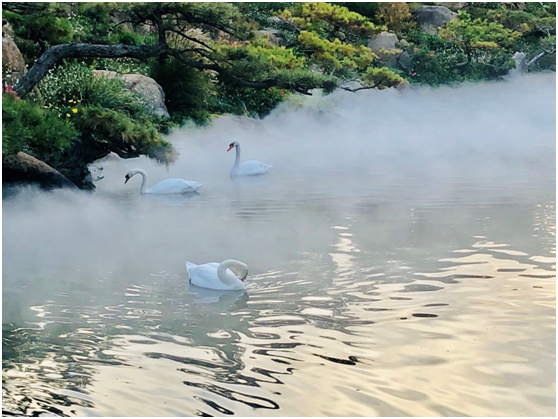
401,255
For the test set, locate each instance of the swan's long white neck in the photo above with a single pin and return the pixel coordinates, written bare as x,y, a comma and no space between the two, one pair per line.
237,159
227,278
144,180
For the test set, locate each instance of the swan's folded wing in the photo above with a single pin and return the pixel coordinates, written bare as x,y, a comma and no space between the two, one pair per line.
205,276
174,185
206,269
254,167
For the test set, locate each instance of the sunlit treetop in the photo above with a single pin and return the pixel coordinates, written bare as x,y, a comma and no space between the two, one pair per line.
478,33
333,38
330,20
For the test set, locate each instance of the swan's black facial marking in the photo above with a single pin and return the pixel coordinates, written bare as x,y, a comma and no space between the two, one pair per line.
231,146
127,177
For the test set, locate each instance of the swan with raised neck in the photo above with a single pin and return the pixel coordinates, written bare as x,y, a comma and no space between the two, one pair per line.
248,168
166,186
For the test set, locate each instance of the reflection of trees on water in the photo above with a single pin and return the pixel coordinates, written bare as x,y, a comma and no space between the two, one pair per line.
37,363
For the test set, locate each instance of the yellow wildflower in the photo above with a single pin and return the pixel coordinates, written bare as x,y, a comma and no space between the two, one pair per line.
68,115
74,110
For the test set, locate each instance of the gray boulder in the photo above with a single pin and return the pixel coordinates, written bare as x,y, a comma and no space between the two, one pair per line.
384,46
13,64
514,5
384,40
22,169
521,67
276,38
147,88
405,60
453,5
430,18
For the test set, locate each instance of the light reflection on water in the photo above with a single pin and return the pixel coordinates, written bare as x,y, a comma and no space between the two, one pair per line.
395,289
453,316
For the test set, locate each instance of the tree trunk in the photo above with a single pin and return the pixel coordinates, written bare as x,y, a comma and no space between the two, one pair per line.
539,56
59,52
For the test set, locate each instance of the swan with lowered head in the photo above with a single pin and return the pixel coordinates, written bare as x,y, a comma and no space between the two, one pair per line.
248,168
218,276
173,185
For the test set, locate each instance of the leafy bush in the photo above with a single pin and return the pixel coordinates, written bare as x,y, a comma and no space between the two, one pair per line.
433,60
44,26
107,116
189,93
121,65
247,101
28,127
396,16
75,81
367,9
92,21
262,11
106,130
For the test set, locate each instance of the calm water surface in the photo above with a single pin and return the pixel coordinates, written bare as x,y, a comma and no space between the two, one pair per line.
388,289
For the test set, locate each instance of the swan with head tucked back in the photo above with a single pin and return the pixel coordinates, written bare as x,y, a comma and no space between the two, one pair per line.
218,276
173,185
248,168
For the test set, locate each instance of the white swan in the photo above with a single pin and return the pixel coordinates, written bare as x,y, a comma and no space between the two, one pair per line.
248,168
218,276
173,185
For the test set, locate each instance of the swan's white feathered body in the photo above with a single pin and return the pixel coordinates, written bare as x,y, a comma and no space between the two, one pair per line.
248,168
174,185
217,276
167,186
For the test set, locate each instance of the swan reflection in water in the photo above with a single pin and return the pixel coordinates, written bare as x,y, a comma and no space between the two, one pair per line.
225,299
173,200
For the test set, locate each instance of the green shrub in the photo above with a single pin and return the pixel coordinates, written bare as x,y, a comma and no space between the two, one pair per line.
28,127
262,11
121,65
368,9
108,130
246,101
189,93
107,116
433,60
73,82
39,30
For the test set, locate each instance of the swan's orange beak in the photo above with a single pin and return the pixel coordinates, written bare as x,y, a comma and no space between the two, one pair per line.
127,179
230,147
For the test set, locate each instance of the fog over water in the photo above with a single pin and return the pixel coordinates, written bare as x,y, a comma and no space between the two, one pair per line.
401,254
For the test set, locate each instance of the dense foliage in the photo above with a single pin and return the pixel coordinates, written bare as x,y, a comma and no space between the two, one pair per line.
240,58
29,127
82,118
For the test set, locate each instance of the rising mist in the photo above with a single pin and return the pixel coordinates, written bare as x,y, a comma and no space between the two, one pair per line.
470,143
